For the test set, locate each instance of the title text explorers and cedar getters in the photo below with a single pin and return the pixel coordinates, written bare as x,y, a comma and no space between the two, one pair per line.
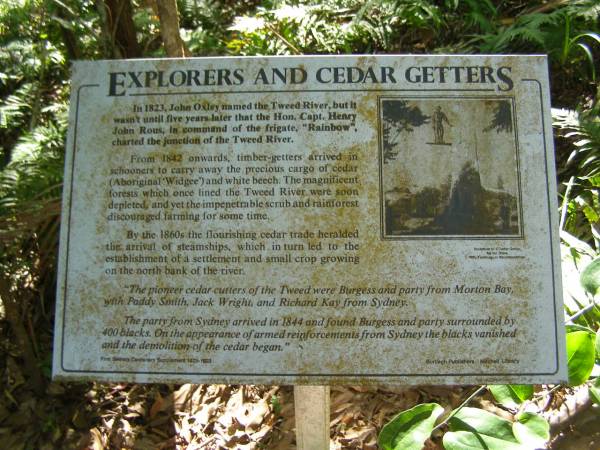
121,82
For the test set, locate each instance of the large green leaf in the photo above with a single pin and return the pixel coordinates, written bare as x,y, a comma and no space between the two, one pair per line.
482,422
580,356
476,429
595,391
467,440
410,429
590,277
511,395
531,430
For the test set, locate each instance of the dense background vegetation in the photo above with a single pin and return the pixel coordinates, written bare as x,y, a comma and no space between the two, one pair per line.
40,38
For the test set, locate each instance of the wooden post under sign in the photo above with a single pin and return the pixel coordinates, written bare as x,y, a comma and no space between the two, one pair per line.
312,417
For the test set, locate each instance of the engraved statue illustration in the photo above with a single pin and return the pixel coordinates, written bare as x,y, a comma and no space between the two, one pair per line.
462,183
438,119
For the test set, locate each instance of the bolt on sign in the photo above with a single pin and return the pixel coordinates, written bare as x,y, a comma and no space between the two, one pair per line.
310,220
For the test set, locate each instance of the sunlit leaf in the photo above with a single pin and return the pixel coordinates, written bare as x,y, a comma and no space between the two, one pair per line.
531,430
590,277
288,12
484,422
247,24
511,395
595,391
468,440
410,429
580,356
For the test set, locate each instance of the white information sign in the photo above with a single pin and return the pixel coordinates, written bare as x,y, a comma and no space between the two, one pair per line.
310,220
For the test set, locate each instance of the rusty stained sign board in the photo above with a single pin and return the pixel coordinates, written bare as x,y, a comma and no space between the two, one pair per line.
311,220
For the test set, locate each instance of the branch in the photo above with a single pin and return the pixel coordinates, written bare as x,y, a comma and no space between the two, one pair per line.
461,406
288,44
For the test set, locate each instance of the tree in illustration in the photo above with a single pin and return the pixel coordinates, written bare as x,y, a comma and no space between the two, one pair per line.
398,117
427,202
502,120
466,212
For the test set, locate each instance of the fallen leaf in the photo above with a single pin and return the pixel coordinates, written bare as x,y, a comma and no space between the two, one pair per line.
97,441
157,406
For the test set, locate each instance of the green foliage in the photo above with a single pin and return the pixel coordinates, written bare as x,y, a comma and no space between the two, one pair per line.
580,356
531,430
33,55
37,39
579,43
595,391
30,188
511,395
205,24
36,166
16,108
539,31
410,429
469,429
148,25
473,428
332,26
468,440
275,404
581,204
590,277
567,34
585,132
486,431
531,31
479,15
482,422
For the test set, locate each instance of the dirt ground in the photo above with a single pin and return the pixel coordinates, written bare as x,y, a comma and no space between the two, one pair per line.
156,416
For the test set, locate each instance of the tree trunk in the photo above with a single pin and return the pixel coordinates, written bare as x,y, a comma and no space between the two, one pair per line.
68,37
169,29
120,27
106,41
71,45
